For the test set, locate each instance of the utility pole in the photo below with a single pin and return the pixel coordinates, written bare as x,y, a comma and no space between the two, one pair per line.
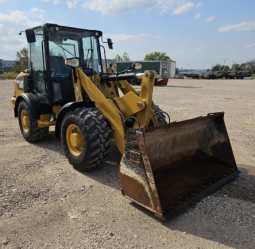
224,64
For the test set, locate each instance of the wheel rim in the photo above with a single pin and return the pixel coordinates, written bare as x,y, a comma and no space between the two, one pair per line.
74,140
24,120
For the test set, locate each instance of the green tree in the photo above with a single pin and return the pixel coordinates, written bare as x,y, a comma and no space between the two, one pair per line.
242,67
250,65
157,56
21,62
126,57
219,67
118,58
1,70
225,68
216,67
238,67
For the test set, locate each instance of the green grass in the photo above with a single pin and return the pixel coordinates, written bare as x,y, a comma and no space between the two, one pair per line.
8,75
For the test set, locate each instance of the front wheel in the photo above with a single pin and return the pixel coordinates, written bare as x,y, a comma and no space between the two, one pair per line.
85,138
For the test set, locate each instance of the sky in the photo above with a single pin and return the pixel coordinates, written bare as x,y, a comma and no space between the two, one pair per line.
196,34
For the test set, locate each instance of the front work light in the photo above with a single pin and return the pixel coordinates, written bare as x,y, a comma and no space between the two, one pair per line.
72,62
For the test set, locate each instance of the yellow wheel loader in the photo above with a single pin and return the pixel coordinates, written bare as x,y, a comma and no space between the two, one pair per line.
164,167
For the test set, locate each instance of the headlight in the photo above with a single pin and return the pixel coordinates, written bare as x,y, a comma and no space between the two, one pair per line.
72,62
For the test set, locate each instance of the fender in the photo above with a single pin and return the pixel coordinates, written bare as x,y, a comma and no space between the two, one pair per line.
65,109
35,104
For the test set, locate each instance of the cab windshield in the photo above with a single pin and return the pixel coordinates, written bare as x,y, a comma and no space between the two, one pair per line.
65,43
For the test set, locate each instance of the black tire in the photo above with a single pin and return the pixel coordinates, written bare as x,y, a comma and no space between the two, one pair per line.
161,118
32,133
94,134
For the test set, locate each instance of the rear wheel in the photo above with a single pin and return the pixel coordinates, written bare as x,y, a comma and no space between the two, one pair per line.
85,138
29,126
161,118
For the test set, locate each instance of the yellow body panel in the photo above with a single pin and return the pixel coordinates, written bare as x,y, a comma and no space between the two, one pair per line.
19,83
125,87
13,100
129,104
109,91
18,86
44,121
146,96
56,109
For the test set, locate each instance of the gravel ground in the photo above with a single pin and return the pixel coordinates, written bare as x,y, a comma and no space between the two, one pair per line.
45,203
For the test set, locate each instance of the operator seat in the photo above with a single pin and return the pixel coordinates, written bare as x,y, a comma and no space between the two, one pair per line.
58,67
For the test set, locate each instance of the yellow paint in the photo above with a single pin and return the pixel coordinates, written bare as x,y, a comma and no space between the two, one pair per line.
45,117
109,90
57,109
17,91
137,103
24,121
42,124
132,103
77,86
105,106
146,95
96,80
125,87
74,140
129,104
13,101
44,121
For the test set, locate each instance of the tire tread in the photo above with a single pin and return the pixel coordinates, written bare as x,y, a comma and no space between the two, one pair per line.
95,135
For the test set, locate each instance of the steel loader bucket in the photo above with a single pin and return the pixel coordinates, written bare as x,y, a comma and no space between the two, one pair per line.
166,168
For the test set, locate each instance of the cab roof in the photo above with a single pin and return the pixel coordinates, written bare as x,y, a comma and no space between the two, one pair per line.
48,25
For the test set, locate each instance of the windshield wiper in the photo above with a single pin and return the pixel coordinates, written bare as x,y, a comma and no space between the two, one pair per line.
65,50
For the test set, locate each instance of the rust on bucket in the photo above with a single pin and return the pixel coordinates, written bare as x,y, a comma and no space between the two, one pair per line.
166,168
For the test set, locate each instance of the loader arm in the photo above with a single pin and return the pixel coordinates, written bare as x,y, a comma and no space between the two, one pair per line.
117,109
145,114
104,105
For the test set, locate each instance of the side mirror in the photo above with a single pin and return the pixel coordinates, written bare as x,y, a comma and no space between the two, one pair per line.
136,66
30,35
109,41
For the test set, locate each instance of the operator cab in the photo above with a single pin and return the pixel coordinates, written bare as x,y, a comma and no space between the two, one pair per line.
48,48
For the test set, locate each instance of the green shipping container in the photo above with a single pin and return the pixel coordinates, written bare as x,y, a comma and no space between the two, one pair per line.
161,67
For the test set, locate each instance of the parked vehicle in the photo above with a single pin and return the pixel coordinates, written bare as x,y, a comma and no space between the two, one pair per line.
179,76
243,74
207,75
233,74
221,74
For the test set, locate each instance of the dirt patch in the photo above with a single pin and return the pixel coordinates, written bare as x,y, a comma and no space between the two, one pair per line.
45,203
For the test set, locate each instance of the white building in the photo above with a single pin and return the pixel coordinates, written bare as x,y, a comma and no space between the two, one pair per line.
6,65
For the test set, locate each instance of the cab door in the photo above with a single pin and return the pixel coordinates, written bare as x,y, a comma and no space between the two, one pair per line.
37,63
